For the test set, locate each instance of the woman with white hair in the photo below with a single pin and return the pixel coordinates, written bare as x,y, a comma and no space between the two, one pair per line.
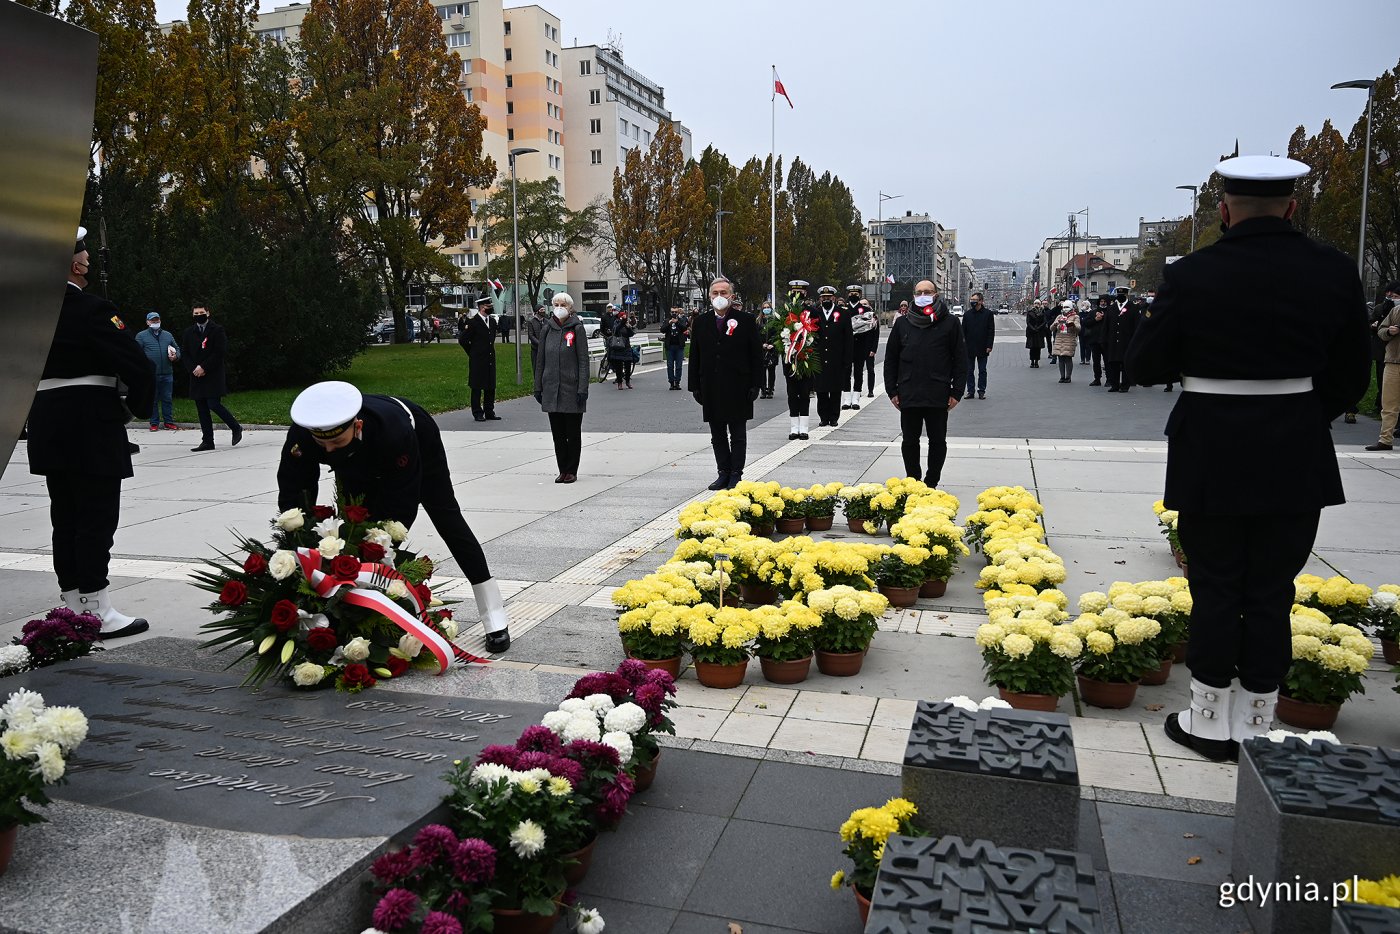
561,382
1064,332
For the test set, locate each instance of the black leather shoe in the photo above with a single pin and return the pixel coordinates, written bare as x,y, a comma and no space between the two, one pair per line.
493,417
479,418
793,436
130,629
237,434
721,482
845,408
981,395
498,641
734,480
803,436
855,406
1216,750
204,446
1379,447
1097,382
1168,388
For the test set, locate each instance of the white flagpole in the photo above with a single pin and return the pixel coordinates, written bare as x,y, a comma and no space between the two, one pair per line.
773,190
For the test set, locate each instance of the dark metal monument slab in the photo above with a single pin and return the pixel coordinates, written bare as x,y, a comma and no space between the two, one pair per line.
198,748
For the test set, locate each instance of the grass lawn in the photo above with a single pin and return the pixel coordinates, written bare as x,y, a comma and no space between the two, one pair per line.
433,375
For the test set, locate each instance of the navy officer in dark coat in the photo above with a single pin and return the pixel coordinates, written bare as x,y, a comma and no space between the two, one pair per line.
726,376
477,335
1250,462
835,345
77,440
388,451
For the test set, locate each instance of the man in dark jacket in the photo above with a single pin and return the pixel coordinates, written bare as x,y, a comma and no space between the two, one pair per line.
1250,462
1121,322
979,327
726,376
674,333
204,347
1093,325
865,340
926,364
834,344
387,451
77,441
477,335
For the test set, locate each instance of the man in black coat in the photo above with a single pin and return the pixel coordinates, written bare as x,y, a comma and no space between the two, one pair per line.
1250,462
1120,323
834,346
979,327
1091,331
926,363
388,452
726,376
476,335
77,440
203,348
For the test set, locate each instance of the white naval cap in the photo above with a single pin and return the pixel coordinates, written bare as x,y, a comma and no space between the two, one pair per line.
78,244
327,408
1268,176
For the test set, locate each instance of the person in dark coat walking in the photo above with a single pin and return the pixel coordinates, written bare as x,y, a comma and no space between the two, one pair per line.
1121,322
476,332
834,344
1262,372
674,333
865,340
768,333
204,347
979,327
161,348
620,349
561,383
1094,324
726,376
77,441
1036,329
926,364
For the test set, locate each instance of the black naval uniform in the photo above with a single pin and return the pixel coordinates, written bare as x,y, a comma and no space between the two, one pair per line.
1120,324
396,464
799,391
726,376
834,345
1250,474
77,433
477,337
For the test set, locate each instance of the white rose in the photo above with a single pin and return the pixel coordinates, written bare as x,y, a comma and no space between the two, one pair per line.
380,538
449,628
282,564
627,718
328,528
599,703
307,674
357,649
330,547
410,647
622,743
291,520
397,530
397,590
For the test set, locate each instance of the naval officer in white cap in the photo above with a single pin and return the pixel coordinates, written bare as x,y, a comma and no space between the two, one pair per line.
1266,332
389,451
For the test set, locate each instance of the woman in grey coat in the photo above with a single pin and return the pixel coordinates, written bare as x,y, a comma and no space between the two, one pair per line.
561,383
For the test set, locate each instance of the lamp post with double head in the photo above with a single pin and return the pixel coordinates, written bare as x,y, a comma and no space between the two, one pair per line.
1369,86
515,246
1194,189
884,251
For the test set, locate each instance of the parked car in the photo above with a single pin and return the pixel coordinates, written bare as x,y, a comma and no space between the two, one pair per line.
593,324
383,332
1004,309
957,311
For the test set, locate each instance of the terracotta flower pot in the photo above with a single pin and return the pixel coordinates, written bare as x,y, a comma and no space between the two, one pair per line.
515,921
1158,675
840,664
730,599
1179,652
1185,571
671,666
1390,651
1306,715
1112,695
760,594
791,526
582,859
858,525
785,672
714,675
819,523
863,906
762,529
934,587
1045,702
7,846
646,775
900,596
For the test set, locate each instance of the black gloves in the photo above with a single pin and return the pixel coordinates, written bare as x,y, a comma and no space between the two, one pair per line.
753,394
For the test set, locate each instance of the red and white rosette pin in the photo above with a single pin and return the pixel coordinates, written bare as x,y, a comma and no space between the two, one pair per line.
569,338
730,326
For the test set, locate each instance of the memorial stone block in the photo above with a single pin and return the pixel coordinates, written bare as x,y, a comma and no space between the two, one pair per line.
1312,815
1365,919
1008,776
933,885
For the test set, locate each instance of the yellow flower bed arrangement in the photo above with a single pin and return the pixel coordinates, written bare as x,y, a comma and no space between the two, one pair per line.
867,506
1341,599
1020,562
809,565
1118,649
864,835
1384,892
1027,653
1329,661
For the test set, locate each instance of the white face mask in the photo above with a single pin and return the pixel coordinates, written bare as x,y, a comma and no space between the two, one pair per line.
155,326
923,301
719,303
561,312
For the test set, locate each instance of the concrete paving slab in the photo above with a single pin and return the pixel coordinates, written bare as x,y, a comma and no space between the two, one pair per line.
1161,843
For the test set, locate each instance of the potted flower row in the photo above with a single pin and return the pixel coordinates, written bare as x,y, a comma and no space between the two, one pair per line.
1167,601
868,506
1329,662
811,507
932,528
1167,518
1385,621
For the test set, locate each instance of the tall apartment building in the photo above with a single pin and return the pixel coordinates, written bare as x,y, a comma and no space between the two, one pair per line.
609,109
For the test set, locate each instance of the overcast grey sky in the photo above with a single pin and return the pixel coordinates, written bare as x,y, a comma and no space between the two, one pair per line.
999,117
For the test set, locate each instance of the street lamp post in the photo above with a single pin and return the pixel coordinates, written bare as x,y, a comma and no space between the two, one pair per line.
884,247
719,229
1194,195
515,245
1369,87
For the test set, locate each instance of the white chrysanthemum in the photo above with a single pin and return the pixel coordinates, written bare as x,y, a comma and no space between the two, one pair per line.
574,705
961,701
49,762
330,547
528,785
599,703
1384,600
291,520
590,922
627,718
488,773
397,530
993,703
556,720
307,674
19,743
63,725
21,708
581,726
527,839
357,649
13,658
1319,736
282,564
621,742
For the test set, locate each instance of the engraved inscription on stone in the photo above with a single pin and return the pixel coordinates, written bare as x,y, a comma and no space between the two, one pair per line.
946,884
202,749
1011,743
1357,783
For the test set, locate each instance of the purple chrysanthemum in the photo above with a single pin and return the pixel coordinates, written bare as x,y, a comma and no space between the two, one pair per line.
616,794
395,910
474,861
634,671
499,755
650,697
585,750
534,760
432,843
662,679
564,767
539,739
458,903
394,867
440,922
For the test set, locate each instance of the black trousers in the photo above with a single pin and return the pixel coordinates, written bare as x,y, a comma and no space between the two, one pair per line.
83,510
484,401
913,420
829,406
439,501
730,441
567,430
1242,570
858,365
770,372
1115,374
1034,348
623,369
206,423
1096,354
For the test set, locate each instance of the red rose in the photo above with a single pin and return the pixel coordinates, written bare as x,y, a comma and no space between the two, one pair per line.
284,616
396,665
345,567
444,614
256,564
356,513
425,596
357,675
371,553
233,594
322,512
321,639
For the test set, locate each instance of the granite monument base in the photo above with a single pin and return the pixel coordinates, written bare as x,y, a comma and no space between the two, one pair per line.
1008,776
1365,919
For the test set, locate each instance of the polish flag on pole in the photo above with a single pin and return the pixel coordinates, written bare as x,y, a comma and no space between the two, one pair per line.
889,279
496,284
779,89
